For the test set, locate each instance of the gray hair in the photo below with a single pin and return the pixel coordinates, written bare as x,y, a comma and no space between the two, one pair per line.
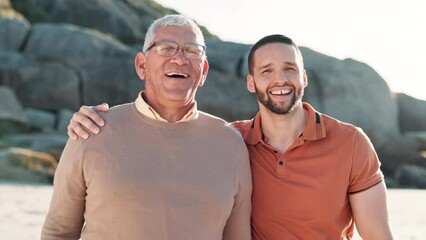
171,20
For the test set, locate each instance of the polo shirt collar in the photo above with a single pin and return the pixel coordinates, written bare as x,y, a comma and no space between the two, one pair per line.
314,130
143,107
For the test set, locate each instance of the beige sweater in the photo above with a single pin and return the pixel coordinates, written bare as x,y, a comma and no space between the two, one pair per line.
146,179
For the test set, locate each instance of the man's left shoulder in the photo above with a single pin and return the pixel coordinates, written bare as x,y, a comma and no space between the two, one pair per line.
216,123
339,125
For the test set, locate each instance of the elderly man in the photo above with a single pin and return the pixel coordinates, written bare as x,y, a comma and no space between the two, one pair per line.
161,169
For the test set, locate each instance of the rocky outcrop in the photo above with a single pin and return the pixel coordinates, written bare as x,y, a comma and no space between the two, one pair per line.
126,20
13,34
412,113
26,165
61,59
352,92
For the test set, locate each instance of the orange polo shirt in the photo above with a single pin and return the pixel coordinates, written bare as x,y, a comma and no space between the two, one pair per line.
303,193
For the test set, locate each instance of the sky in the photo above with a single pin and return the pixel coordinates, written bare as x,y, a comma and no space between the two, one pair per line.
389,36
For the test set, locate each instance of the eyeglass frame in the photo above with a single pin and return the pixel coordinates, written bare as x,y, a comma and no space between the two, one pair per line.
179,46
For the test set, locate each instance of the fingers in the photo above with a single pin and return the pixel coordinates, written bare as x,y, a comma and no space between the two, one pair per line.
86,121
102,107
71,133
88,115
76,130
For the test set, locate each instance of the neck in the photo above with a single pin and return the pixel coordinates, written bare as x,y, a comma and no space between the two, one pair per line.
172,111
281,130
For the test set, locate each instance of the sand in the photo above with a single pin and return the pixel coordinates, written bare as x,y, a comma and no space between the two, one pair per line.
23,208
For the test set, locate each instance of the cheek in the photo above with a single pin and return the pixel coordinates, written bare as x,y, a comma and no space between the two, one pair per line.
263,82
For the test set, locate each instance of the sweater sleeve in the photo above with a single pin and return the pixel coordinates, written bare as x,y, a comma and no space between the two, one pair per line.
65,217
238,224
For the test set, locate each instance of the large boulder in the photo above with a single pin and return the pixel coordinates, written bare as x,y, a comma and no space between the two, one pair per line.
105,66
409,148
12,33
411,176
12,117
25,165
40,83
109,16
353,92
226,96
49,86
412,113
40,119
228,58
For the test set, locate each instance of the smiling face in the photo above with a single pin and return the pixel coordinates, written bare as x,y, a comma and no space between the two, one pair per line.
278,77
171,81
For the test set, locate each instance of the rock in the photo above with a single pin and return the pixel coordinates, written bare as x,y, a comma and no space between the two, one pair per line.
105,66
224,96
228,58
40,119
49,86
64,117
12,118
9,74
339,89
109,16
10,107
25,165
40,84
6,11
409,148
12,33
411,176
40,142
412,113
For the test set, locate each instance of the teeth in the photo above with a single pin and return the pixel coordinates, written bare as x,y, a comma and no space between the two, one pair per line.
175,74
280,92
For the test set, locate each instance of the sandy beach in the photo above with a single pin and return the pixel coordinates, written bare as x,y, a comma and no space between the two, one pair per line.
23,208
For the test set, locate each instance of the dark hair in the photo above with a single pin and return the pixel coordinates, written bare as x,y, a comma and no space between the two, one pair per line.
275,38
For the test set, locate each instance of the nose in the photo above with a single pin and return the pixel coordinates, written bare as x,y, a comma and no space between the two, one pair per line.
282,76
180,58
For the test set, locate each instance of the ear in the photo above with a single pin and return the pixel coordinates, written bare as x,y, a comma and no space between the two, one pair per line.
250,83
305,78
140,65
204,73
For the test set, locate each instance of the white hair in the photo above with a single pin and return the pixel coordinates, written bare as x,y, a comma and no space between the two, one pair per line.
171,20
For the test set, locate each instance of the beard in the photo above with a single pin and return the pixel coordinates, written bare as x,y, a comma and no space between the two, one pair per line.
276,107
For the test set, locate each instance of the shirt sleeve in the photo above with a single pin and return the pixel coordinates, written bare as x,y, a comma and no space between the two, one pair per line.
365,171
238,223
65,216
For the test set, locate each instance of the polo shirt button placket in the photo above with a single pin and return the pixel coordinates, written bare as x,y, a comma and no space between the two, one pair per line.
280,168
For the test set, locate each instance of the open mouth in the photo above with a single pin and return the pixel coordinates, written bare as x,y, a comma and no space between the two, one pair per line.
177,75
281,92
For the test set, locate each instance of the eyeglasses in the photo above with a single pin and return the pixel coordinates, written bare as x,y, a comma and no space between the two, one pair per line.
169,49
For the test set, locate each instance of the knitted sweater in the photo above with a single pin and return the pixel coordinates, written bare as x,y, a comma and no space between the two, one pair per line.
145,179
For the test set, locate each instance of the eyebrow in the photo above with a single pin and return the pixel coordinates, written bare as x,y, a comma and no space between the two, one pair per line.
270,64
